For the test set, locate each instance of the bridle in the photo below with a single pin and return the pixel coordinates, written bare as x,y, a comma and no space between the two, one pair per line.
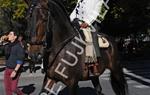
35,6
43,42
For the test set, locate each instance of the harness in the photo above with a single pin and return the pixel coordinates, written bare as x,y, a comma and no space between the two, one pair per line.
35,5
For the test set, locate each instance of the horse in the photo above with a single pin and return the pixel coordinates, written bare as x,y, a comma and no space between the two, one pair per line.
35,57
64,52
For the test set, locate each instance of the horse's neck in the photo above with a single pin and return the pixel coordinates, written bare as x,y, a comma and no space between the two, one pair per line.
61,38
61,27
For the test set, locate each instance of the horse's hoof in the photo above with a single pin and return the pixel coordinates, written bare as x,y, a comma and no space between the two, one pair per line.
99,93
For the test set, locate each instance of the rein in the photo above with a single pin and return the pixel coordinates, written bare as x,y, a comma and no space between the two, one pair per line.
61,46
65,42
37,43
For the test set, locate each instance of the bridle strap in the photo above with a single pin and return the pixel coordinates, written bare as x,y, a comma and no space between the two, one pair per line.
37,43
35,6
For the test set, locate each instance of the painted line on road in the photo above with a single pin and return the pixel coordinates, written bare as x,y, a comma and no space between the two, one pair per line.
128,72
130,81
105,78
141,86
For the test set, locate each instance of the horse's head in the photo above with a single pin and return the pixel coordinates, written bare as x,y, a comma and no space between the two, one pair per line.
47,17
37,19
50,26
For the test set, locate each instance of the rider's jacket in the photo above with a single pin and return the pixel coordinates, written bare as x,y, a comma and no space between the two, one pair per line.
87,10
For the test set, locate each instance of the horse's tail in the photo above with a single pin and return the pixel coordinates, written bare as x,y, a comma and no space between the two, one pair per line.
117,76
118,81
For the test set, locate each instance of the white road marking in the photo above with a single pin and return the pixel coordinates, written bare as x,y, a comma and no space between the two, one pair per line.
136,76
105,78
141,86
130,81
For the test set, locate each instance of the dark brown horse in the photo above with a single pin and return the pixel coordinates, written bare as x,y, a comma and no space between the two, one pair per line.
64,52
38,22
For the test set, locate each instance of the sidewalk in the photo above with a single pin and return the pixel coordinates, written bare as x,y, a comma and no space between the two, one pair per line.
25,73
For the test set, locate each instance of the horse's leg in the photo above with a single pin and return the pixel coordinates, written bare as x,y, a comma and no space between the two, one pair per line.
96,84
34,68
30,67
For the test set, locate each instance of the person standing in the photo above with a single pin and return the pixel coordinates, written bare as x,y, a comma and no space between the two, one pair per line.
14,54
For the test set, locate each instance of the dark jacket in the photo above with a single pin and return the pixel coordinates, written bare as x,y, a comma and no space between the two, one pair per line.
14,54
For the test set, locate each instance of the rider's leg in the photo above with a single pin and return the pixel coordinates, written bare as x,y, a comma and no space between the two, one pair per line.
95,41
96,68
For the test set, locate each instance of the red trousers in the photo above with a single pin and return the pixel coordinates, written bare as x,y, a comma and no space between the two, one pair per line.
11,84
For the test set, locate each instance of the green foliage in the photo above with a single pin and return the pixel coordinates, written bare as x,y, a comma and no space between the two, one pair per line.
117,11
16,6
19,12
11,13
70,5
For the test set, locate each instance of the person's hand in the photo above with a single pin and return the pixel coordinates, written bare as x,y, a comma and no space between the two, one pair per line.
3,38
84,25
13,74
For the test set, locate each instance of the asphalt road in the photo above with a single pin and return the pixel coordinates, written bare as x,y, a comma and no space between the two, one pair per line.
137,75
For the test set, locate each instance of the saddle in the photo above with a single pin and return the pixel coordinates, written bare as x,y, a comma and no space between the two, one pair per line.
102,41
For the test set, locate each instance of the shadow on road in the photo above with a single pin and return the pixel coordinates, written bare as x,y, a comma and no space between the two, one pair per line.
31,69
28,89
2,69
80,91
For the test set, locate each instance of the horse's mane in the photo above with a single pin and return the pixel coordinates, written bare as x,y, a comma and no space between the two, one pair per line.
60,20
61,5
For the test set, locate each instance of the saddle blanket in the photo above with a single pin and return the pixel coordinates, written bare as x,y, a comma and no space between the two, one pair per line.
90,50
